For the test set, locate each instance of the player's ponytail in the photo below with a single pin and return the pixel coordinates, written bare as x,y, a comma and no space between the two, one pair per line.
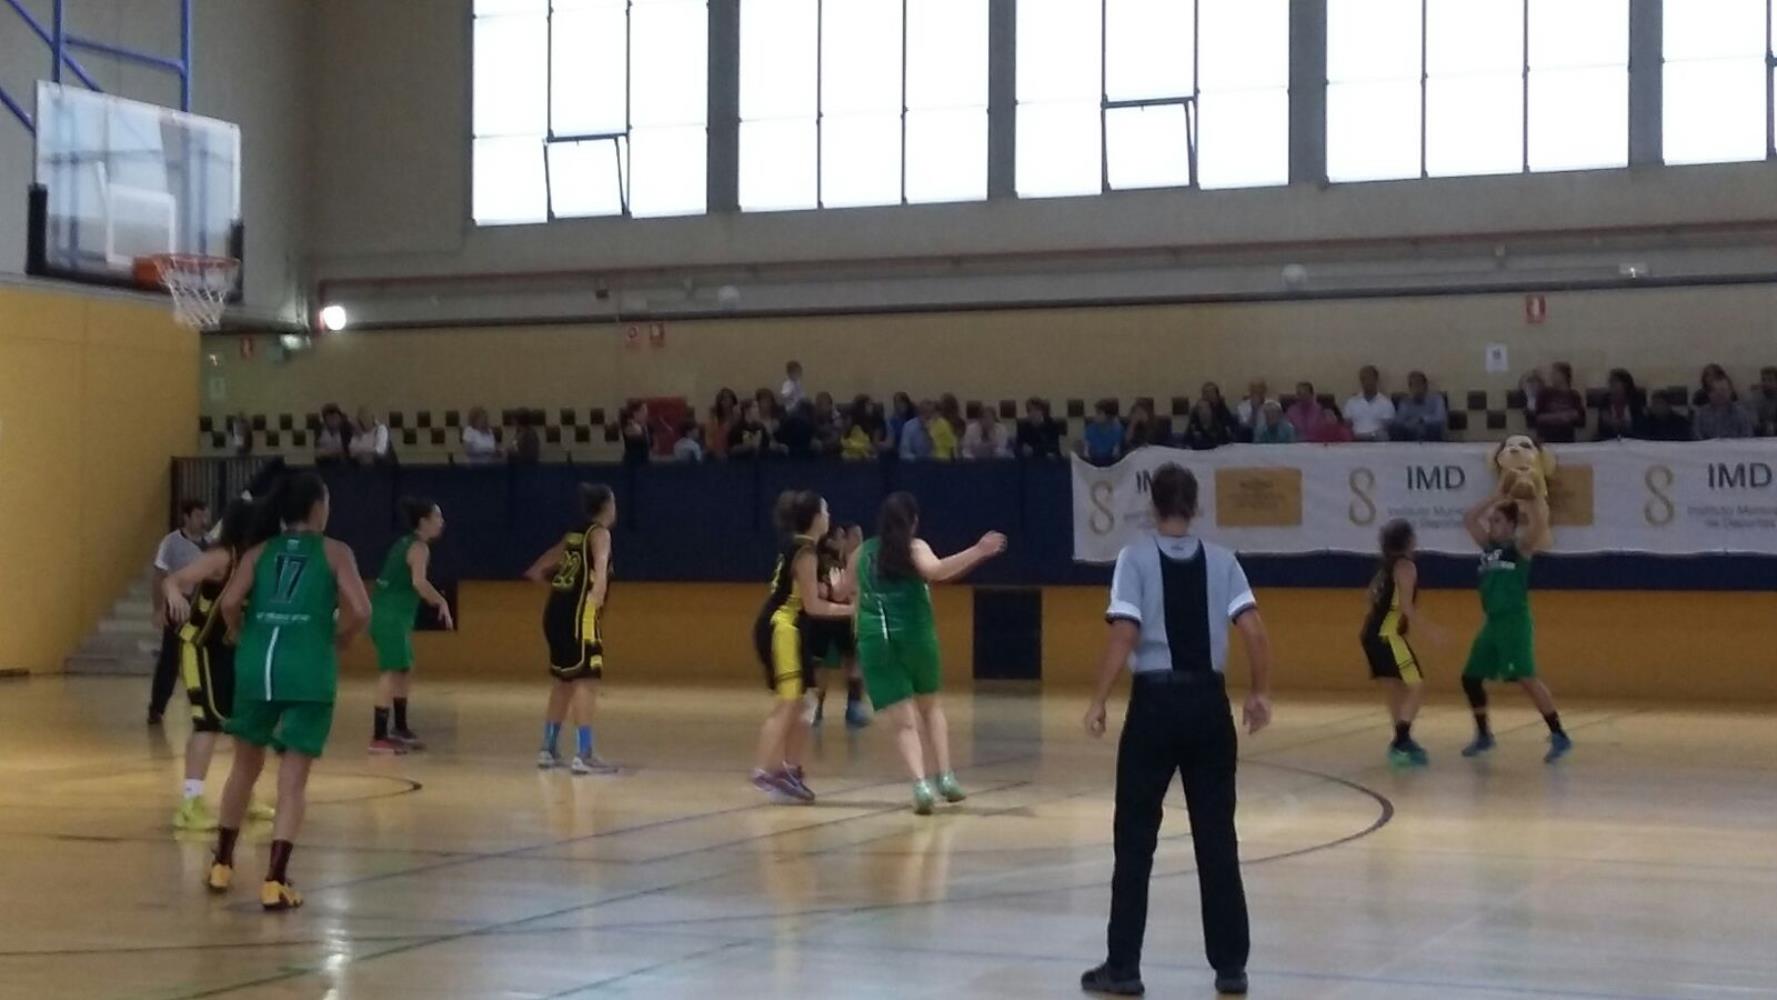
796,511
895,526
414,510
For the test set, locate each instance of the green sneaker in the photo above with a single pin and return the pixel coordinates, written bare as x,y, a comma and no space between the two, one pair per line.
194,815
923,799
948,787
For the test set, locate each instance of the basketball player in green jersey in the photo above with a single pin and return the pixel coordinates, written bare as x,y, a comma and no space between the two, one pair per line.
898,639
1504,649
282,604
400,588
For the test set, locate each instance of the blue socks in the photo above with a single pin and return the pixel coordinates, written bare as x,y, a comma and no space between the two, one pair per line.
551,733
585,743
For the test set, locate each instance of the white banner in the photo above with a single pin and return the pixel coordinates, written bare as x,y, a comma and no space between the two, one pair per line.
1630,496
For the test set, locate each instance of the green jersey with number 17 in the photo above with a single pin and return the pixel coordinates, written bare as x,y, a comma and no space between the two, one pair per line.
286,651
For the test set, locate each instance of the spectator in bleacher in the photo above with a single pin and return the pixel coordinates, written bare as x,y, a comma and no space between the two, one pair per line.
865,434
1206,429
1145,430
826,426
527,444
333,437
945,429
1330,427
796,433
1706,381
1620,413
792,391
771,412
749,437
1423,415
916,434
1531,385
480,447
1212,394
638,434
1271,427
1039,433
986,437
1560,410
370,439
1721,418
901,413
1253,405
1305,410
689,447
240,435
952,412
1370,411
1661,422
1102,443
1766,414
724,415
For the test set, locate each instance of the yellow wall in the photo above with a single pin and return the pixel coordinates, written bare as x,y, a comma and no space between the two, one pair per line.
96,396
1124,352
1655,645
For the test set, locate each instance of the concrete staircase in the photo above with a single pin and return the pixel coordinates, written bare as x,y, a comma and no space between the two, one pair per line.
125,641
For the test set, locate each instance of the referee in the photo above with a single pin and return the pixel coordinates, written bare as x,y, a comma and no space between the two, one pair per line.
1173,600
179,549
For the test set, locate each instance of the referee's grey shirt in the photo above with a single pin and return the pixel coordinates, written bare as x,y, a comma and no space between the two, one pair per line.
1139,595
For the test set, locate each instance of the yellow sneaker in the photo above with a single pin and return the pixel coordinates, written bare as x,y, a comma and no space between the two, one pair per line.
194,815
259,812
279,896
220,878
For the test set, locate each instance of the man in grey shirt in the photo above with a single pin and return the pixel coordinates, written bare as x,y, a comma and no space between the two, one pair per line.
1173,601
1721,416
178,550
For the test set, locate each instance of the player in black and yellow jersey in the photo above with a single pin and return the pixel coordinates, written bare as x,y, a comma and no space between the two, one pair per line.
1394,611
578,571
206,657
781,636
836,640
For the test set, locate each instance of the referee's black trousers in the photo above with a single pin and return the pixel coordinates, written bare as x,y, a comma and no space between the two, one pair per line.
166,671
1178,723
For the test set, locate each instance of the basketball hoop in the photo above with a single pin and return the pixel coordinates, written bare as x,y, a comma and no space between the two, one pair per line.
200,286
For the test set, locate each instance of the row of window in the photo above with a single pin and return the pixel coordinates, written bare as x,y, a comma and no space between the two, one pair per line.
600,107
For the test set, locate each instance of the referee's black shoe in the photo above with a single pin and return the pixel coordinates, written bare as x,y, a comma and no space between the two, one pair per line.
1113,982
1231,983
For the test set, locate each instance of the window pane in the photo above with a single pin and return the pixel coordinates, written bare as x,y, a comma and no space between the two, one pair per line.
947,155
1715,111
511,81
1147,147
1372,131
667,170
509,184
860,56
1058,152
1058,51
1474,125
777,59
1246,43
1373,40
584,178
587,61
861,160
1575,33
1148,49
485,7
1244,138
1708,29
777,165
947,53
1468,37
669,63
1579,119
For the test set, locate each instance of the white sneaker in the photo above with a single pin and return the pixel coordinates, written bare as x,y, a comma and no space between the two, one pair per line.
592,765
547,759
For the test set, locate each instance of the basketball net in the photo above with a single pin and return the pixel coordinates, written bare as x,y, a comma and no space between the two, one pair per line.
200,287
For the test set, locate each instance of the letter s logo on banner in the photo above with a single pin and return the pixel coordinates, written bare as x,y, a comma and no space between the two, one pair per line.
1103,519
1363,506
1659,509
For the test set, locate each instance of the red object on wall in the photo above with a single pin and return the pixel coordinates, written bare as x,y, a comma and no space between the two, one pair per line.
666,414
248,347
1536,309
657,334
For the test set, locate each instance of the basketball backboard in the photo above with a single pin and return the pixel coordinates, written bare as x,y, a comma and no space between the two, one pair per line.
118,181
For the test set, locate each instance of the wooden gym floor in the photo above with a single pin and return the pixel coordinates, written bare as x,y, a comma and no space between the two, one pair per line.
1644,866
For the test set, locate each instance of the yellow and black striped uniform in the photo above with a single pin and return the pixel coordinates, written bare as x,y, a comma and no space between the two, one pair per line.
206,659
781,634
573,625
1385,633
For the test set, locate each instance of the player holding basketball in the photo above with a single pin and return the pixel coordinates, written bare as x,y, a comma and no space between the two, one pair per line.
1394,610
1504,650
282,602
578,571
400,588
836,640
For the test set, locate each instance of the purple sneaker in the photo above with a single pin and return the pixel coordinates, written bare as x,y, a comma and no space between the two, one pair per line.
794,781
